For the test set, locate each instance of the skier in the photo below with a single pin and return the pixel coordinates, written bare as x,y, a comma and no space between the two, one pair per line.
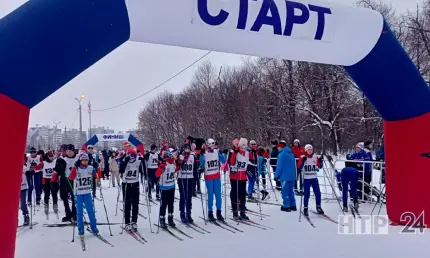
251,169
262,170
63,169
92,155
298,151
286,173
130,170
23,195
34,177
152,160
166,172
239,158
210,162
186,183
113,165
196,174
348,176
310,164
50,187
82,175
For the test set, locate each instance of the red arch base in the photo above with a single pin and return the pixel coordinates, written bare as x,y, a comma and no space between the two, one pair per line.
13,142
408,174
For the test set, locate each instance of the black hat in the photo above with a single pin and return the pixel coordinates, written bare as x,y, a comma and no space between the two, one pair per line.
274,142
63,146
70,147
186,146
32,149
367,143
153,147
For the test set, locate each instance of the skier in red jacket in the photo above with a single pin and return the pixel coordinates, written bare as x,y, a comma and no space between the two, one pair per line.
298,151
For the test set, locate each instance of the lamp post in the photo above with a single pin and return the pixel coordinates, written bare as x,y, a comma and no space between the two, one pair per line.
80,119
56,123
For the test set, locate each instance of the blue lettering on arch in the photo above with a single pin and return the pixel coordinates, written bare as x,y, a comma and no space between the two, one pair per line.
264,18
243,14
322,11
202,7
295,19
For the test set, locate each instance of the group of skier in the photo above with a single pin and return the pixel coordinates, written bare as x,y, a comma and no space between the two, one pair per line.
76,175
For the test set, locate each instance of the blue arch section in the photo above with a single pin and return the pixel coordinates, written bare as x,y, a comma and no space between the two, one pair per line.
391,81
133,140
67,37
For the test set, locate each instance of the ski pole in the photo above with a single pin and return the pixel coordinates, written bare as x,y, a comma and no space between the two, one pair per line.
104,205
32,206
161,201
332,188
225,197
123,208
148,203
201,198
117,198
301,205
258,192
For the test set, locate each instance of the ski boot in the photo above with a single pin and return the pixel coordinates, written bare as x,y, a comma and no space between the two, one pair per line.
56,209
26,220
134,226
189,218
345,208
46,210
163,222
320,210
194,194
157,196
243,216
150,197
183,218
211,216
305,211
66,219
128,228
356,205
264,194
293,208
235,215
285,209
251,198
219,216
170,221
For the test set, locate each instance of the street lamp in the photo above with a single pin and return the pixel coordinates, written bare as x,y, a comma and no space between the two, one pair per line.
56,123
80,119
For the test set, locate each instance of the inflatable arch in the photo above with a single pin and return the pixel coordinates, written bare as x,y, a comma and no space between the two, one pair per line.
112,137
46,43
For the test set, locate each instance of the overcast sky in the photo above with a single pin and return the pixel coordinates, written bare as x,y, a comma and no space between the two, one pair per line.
129,71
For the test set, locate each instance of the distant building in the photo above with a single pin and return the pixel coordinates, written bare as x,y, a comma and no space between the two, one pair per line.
44,138
72,137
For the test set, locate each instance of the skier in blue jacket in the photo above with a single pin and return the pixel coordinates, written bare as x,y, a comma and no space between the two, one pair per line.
364,169
286,173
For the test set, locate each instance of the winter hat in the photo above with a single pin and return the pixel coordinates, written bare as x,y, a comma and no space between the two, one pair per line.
32,149
274,142
126,144
210,142
186,146
131,153
308,147
165,143
367,143
70,147
83,156
360,145
297,140
50,154
153,147
243,142
282,144
252,142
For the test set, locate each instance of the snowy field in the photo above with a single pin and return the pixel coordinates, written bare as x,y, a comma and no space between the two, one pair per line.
289,238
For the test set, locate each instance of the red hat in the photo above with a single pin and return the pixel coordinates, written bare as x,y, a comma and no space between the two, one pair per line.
50,154
164,143
127,144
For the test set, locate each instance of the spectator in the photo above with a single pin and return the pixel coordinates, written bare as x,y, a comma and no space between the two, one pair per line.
286,173
298,151
364,170
113,165
274,160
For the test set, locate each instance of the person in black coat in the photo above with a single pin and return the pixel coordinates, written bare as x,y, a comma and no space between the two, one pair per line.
274,160
105,172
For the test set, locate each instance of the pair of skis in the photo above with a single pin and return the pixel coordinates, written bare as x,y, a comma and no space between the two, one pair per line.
252,223
224,225
97,235
324,216
136,235
173,234
194,227
354,211
23,227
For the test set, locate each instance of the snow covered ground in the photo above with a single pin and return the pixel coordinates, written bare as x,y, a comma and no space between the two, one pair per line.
289,239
